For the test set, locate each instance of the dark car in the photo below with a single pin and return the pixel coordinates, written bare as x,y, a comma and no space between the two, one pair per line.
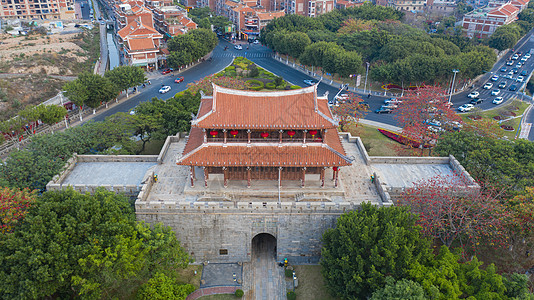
515,70
502,85
476,101
519,53
504,69
513,88
384,110
524,73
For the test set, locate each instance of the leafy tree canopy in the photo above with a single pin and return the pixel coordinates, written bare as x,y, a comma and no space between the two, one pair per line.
400,290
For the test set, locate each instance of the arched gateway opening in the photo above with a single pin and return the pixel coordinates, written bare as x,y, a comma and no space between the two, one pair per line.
264,247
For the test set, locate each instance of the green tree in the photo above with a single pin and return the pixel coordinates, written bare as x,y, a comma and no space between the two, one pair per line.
368,245
400,290
162,287
99,89
51,114
125,77
296,43
177,59
504,37
77,93
29,114
83,245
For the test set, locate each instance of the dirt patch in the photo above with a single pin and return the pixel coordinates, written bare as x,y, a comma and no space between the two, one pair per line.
475,118
24,90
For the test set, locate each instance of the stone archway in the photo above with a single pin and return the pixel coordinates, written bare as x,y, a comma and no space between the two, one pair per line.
267,281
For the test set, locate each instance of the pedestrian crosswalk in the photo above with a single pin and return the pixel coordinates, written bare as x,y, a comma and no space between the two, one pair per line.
244,53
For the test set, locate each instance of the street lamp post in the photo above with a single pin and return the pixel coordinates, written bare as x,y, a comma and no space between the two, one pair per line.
452,84
366,73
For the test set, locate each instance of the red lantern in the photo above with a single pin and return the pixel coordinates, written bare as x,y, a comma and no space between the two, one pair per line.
234,132
335,168
291,133
214,133
313,132
264,135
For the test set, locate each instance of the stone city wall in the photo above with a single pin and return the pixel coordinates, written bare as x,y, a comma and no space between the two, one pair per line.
117,158
204,228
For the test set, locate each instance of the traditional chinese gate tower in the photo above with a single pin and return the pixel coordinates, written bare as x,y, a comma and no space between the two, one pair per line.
248,136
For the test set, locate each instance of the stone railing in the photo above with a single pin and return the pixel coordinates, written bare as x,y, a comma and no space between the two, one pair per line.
117,158
384,195
215,290
168,141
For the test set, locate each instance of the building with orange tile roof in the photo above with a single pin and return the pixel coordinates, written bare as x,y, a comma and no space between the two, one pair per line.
140,43
483,22
233,135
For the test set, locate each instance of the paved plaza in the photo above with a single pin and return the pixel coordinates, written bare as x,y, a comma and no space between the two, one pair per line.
221,274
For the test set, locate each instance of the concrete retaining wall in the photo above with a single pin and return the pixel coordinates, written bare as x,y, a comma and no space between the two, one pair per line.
408,160
117,158
384,195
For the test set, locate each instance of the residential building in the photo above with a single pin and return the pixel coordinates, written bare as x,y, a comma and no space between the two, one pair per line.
38,9
126,13
311,8
442,7
140,43
483,22
520,4
343,4
404,5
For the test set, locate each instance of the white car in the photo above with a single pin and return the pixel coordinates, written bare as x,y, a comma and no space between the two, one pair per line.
515,57
473,95
164,89
238,47
527,55
498,100
510,63
488,85
309,82
466,107
520,78
393,101
495,92
494,77
524,59
519,65
256,42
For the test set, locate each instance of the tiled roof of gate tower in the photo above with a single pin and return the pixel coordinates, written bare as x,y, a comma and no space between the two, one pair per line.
292,109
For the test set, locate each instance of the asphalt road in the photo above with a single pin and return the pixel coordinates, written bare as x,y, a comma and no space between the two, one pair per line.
263,57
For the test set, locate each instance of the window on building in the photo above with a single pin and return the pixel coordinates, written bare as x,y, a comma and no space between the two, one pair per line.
223,251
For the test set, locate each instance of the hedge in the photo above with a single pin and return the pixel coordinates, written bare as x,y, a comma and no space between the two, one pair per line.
254,84
270,85
295,87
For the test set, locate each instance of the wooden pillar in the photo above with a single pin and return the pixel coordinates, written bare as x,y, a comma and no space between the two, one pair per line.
322,176
206,176
225,135
225,171
303,176
336,177
192,175
248,177
279,177
334,170
193,172
281,132
248,135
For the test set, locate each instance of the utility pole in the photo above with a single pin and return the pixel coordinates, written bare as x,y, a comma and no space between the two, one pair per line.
452,84
366,73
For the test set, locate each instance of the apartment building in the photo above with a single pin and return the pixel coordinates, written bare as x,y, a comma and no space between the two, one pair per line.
140,43
310,8
404,5
484,21
442,7
38,9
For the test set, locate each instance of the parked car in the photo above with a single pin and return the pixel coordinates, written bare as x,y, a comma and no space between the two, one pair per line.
524,73
309,82
513,88
238,47
515,70
524,59
520,78
476,101
519,65
473,95
494,77
519,53
502,85
393,101
495,92
515,57
164,89
510,63
527,55
466,107
166,71
498,100
504,69
488,85
384,110
179,79
433,122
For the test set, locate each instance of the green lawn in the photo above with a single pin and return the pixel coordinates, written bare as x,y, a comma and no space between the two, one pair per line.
187,275
311,285
376,143
489,114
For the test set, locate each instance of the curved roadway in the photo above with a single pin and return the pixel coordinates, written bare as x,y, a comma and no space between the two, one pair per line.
263,57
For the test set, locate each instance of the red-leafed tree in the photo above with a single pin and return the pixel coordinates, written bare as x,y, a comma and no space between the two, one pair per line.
419,113
522,209
13,206
349,111
453,213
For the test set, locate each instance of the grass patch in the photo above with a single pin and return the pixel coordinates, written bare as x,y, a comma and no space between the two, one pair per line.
311,284
152,147
187,275
489,114
376,143
219,297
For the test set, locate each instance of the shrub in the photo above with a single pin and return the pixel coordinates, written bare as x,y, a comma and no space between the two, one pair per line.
279,81
229,68
253,71
270,85
281,87
295,87
254,84
291,295
289,273
239,293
